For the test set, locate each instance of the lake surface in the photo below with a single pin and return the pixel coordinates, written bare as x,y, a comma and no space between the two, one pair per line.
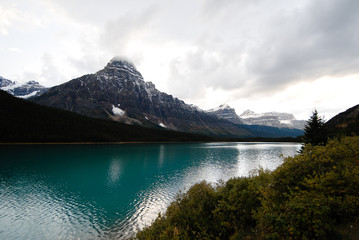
111,191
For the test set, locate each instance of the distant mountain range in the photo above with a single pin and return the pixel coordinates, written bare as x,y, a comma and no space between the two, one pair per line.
273,119
22,90
119,92
248,117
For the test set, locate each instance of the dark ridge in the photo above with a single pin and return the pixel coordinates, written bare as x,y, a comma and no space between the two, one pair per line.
345,123
23,121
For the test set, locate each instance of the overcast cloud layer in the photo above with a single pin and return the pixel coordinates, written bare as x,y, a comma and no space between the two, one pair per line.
286,56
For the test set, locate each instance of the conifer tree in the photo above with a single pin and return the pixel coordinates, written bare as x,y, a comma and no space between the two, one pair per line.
315,131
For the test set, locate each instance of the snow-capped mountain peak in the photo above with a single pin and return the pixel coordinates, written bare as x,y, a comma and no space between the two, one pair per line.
119,83
221,107
21,90
250,114
5,82
226,112
120,65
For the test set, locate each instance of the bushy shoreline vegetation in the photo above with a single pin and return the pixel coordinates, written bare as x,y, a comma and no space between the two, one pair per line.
308,197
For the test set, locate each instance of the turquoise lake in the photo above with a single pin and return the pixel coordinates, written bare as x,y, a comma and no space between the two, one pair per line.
111,191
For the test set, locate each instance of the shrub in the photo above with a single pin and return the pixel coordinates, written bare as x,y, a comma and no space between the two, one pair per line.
305,198
311,193
188,217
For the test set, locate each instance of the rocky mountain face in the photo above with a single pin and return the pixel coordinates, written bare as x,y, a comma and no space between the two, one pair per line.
273,119
22,90
226,112
118,92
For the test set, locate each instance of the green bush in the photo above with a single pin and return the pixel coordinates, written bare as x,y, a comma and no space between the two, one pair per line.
307,197
188,217
311,193
239,199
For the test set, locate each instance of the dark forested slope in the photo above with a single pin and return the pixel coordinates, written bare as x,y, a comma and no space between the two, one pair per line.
345,123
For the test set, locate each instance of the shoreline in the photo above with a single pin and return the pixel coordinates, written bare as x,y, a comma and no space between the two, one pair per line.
134,142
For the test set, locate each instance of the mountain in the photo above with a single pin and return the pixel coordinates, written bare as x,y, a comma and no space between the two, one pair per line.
22,90
226,112
24,121
5,82
260,129
248,117
119,92
345,123
273,119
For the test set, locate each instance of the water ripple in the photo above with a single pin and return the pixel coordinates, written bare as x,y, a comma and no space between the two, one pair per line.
110,192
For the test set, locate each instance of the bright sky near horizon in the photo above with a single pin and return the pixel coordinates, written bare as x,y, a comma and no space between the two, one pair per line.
264,55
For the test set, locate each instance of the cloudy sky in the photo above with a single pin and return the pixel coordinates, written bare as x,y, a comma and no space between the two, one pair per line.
264,55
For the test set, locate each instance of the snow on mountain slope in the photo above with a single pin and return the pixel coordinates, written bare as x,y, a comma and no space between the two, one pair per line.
117,111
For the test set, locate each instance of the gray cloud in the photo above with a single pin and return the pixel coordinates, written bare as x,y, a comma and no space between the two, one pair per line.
50,71
250,49
261,48
316,41
94,11
252,46
119,33
206,68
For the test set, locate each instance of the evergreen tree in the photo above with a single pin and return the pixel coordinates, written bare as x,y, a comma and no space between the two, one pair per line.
315,131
